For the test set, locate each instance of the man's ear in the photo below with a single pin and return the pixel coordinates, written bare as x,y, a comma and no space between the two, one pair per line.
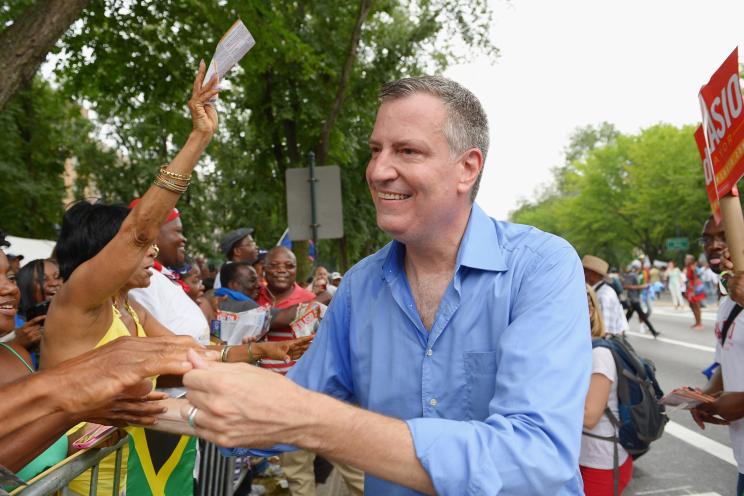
469,168
233,285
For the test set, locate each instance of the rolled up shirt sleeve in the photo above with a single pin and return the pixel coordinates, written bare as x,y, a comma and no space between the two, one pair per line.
530,442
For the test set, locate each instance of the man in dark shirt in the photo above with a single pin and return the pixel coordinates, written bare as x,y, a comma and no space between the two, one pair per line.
633,287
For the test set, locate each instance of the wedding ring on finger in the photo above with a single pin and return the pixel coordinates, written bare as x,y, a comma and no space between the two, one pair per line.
192,417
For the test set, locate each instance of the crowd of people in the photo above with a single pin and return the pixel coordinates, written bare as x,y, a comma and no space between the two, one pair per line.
644,282
121,271
458,359
709,279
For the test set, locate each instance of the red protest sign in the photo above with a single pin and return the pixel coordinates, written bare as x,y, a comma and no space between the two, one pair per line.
723,123
710,183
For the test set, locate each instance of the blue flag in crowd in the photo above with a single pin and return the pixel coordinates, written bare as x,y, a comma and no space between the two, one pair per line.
286,241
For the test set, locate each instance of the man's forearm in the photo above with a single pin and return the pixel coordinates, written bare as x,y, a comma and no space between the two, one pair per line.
25,401
20,447
379,445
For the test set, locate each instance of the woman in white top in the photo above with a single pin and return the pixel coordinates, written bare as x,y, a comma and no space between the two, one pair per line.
596,459
674,282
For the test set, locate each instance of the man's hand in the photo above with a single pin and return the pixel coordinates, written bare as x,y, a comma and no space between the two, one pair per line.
120,371
734,280
298,347
735,287
702,417
241,405
729,406
273,350
29,335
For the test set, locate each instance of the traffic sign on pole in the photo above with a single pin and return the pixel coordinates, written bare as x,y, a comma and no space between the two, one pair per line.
329,219
677,244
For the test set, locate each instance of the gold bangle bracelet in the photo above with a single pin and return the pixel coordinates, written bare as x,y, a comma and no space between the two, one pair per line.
179,181
169,185
165,186
251,358
174,175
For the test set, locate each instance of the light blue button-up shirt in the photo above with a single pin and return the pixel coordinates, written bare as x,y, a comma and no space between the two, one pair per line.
494,394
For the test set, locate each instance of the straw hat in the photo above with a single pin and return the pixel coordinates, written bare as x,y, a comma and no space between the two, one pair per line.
595,264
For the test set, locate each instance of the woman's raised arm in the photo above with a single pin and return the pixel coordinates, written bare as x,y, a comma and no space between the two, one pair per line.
102,276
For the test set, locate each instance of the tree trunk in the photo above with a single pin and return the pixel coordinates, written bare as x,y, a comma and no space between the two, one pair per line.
25,44
343,83
343,254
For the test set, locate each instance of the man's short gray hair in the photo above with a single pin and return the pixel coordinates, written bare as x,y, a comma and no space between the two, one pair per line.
467,124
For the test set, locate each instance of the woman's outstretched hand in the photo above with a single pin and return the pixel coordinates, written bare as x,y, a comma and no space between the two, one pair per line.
203,113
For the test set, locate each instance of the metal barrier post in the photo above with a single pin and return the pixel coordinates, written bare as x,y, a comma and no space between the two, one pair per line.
216,472
94,480
117,473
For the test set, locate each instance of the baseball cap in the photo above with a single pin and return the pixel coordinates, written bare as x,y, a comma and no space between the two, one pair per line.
227,243
334,276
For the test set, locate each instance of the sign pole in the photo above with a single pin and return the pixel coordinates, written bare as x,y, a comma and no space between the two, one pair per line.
733,223
313,205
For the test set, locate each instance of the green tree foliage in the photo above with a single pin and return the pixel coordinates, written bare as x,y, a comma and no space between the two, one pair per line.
39,130
618,194
133,63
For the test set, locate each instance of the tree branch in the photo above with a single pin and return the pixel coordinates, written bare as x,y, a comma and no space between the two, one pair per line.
25,44
343,82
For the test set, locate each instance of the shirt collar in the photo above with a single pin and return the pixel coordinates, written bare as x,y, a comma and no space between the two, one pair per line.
479,248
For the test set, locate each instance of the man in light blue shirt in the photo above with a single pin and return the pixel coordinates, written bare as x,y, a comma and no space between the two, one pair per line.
467,337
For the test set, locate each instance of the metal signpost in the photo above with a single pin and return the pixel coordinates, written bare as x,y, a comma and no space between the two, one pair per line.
314,207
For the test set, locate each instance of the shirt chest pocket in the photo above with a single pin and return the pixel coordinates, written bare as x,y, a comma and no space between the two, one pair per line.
480,376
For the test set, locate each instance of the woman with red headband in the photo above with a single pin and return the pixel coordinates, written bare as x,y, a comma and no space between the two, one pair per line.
104,251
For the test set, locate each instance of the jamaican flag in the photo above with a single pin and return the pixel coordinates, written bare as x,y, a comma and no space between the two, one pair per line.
160,464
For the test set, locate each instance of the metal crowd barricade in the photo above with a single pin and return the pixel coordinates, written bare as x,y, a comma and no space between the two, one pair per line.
217,474
59,476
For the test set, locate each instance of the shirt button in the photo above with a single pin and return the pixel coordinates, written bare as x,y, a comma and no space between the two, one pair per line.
433,402
429,352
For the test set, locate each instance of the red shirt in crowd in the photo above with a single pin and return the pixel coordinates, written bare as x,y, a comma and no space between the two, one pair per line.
298,295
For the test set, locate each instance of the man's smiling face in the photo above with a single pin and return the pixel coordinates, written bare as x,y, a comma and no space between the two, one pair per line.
411,175
714,242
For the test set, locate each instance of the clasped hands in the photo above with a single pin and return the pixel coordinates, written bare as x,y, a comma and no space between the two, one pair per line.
235,404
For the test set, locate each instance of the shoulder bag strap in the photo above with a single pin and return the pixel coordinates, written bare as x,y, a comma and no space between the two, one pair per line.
729,321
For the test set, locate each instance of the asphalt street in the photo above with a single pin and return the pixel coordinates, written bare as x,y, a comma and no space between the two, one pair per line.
686,460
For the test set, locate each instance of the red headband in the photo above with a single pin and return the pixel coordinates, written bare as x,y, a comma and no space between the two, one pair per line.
174,214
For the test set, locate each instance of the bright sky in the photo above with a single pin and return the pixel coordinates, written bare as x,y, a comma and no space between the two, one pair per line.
570,63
